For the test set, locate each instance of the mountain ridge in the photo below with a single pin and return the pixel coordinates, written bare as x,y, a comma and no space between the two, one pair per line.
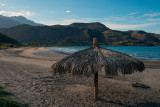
80,34
6,22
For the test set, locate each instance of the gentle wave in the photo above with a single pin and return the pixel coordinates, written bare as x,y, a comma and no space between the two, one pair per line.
139,52
67,50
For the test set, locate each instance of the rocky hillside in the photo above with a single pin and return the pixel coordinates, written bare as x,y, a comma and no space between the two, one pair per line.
131,38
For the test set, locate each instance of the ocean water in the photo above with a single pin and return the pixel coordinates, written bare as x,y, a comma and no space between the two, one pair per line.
139,52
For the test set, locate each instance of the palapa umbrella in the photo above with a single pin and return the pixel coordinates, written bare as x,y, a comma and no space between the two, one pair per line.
97,59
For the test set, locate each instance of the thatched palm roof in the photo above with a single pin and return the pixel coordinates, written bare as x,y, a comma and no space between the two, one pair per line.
97,59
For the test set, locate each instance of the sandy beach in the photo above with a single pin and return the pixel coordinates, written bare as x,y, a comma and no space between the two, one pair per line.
28,76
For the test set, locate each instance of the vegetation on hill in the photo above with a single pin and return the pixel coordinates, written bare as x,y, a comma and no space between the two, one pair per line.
78,34
6,42
6,39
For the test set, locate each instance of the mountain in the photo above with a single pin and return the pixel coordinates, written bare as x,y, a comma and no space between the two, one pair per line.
24,20
133,38
80,34
52,34
96,26
144,36
6,22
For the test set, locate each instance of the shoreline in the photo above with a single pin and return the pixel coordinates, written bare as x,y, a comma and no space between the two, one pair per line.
139,57
51,55
149,63
30,79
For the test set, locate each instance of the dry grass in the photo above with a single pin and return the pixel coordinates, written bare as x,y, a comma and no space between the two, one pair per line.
93,59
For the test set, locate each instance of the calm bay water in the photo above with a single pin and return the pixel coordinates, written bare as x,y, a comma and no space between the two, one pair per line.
140,52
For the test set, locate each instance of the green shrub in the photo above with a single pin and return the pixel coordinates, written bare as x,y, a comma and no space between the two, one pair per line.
3,92
6,102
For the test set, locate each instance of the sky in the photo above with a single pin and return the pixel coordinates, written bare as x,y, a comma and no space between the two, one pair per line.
116,14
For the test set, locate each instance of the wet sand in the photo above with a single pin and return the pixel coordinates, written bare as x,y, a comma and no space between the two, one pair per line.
29,77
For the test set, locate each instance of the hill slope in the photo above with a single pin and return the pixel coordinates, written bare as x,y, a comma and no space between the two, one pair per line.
80,34
144,36
6,39
131,38
7,42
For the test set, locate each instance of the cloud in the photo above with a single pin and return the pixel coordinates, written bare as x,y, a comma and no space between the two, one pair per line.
21,13
52,12
112,18
68,11
154,20
117,23
152,14
132,13
107,23
127,26
156,31
1,4
66,21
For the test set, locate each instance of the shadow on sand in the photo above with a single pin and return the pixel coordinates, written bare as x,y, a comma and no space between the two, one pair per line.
147,104
119,103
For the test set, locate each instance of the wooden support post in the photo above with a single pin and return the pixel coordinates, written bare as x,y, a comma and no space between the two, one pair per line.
96,85
94,41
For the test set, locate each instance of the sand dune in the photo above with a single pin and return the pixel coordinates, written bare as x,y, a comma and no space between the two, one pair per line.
29,77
